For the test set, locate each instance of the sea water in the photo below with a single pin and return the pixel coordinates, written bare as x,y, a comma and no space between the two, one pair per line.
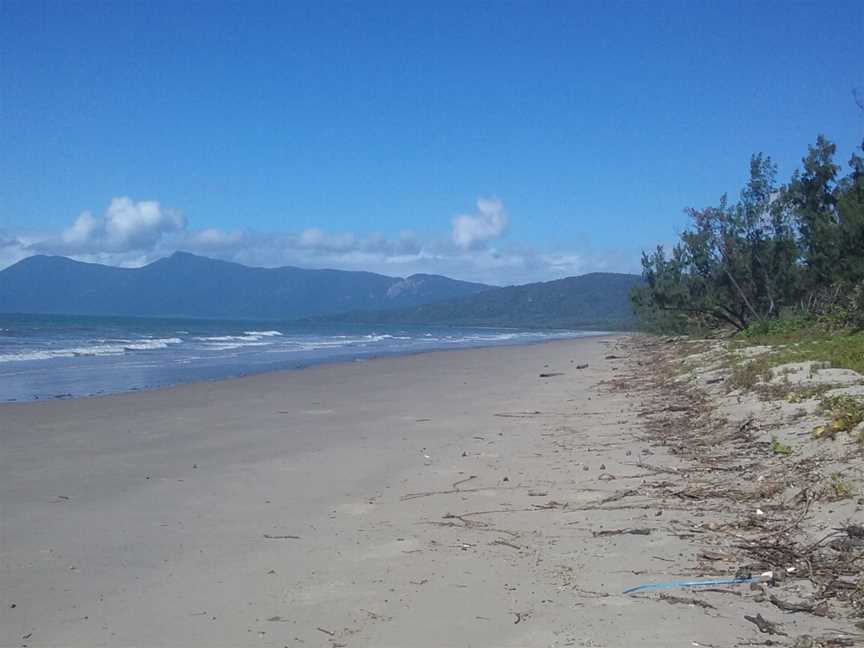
54,356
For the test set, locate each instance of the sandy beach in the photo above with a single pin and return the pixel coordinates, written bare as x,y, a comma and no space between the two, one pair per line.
143,519
469,498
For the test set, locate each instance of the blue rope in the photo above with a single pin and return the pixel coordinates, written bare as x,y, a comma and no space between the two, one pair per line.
699,583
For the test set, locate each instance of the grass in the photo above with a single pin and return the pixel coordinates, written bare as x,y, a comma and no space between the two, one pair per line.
838,488
846,413
800,341
746,375
793,340
806,392
779,448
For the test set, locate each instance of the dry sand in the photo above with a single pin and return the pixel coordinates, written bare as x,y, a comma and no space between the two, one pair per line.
437,500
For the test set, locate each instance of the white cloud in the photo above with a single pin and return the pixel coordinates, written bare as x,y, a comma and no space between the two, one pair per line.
314,238
126,226
133,233
12,249
490,221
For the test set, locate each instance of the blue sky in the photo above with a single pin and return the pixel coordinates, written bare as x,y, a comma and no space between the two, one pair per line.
500,141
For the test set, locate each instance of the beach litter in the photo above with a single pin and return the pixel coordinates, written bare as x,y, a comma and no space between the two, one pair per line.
761,578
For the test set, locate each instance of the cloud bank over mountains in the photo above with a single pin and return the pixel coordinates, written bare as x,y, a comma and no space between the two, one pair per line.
125,227
131,233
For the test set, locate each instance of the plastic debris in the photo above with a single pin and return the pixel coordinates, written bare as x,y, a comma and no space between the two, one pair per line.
701,583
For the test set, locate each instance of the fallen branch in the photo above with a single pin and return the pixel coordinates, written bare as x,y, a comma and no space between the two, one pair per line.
765,626
451,491
612,532
686,600
786,606
462,481
617,496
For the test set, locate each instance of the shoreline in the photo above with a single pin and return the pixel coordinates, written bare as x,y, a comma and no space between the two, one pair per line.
501,497
346,359
254,511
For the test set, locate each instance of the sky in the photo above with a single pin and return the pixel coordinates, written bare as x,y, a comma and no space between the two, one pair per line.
503,142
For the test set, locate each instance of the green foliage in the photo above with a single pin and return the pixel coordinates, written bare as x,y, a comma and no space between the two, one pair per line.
803,340
797,248
779,448
838,488
846,412
784,328
749,374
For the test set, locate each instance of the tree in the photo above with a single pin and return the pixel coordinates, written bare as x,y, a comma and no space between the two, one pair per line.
731,263
811,196
850,216
778,248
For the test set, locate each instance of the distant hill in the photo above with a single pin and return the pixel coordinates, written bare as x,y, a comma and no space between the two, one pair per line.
597,300
193,286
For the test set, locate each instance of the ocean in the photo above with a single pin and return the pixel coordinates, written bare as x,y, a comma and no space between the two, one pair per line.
55,356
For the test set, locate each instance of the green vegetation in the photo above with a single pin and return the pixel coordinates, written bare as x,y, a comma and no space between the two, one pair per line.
842,349
779,448
790,251
838,488
846,413
784,268
746,375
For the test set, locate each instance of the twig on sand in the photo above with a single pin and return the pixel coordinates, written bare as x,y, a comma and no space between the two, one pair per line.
611,532
470,524
764,625
527,414
618,496
518,414
452,491
786,606
506,544
281,537
462,481
668,408
686,600
717,590
647,466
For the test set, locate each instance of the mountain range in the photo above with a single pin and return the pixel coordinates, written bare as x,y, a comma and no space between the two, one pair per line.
595,300
187,285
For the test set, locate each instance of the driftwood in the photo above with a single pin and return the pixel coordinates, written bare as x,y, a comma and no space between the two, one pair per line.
452,491
686,600
786,606
765,626
612,532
